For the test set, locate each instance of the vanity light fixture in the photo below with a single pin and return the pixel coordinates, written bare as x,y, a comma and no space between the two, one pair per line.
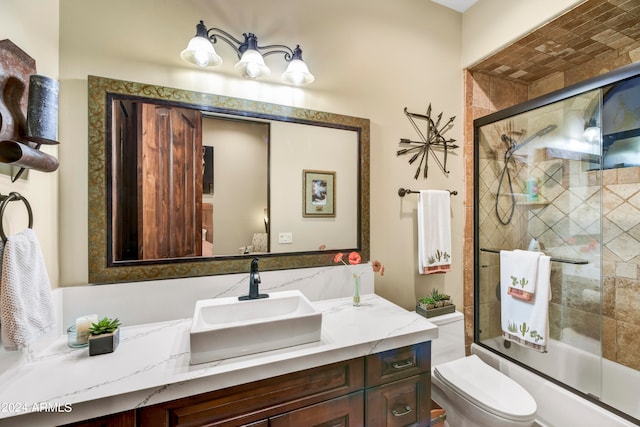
200,52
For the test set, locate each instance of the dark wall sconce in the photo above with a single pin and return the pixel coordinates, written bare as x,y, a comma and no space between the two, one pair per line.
201,52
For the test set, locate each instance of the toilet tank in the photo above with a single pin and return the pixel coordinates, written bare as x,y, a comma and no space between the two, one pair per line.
450,342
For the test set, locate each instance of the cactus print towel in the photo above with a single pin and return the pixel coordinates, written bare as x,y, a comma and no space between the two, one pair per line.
524,274
525,322
434,232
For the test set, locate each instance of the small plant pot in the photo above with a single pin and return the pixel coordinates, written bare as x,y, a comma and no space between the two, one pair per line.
105,343
436,311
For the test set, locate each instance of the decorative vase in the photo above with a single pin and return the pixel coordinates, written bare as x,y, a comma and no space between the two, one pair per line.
356,290
105,343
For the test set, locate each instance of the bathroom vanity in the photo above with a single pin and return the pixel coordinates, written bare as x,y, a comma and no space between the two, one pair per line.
371,367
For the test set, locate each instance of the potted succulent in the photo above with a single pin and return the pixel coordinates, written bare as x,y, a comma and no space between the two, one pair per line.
104,336
435,304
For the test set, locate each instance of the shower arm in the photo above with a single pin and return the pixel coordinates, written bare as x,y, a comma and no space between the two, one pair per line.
538,134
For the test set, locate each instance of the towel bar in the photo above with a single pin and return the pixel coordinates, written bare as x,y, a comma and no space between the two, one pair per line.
4,201
403,191
564,260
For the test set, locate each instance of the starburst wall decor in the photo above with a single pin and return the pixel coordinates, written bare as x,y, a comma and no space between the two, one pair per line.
430,140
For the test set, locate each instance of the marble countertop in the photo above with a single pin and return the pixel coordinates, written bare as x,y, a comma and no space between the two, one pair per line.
151,364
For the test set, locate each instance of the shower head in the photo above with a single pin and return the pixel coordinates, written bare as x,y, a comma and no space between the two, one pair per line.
508,140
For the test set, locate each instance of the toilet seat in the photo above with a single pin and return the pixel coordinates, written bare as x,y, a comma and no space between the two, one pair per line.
487,388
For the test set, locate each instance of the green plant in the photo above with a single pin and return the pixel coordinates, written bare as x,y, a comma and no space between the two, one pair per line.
427,301
104,326
524,328
437,296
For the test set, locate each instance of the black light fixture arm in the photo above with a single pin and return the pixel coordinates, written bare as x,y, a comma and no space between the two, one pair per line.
288,53
215,33
250,42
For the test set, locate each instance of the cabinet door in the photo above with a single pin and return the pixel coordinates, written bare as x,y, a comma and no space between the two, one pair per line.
400,404
346,411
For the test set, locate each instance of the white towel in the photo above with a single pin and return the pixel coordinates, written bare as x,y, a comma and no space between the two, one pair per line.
523,322
523,275
26,308
434,231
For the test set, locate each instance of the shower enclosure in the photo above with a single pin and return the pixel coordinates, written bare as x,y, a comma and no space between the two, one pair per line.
562,173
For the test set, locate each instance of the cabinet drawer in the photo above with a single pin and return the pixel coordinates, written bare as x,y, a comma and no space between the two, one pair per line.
345,411
401,403
122,419
398,363
247,403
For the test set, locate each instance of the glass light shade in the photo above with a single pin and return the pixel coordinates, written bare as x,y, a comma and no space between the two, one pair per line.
252,65
200,52
297,73
592,135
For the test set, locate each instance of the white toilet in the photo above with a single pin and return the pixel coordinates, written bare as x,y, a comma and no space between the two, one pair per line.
473,393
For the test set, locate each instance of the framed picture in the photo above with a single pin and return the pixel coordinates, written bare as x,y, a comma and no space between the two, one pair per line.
318,193
207,170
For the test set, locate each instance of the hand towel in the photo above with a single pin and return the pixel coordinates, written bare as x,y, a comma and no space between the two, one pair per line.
524,273
523,322
434,231
26,307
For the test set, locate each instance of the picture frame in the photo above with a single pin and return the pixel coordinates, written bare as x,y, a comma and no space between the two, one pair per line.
318,193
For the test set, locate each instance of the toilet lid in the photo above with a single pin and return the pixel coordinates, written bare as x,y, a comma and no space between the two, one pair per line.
487,388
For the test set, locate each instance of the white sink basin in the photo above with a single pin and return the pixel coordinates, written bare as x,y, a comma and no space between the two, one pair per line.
226,327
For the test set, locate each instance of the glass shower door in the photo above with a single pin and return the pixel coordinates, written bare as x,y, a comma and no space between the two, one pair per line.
539,185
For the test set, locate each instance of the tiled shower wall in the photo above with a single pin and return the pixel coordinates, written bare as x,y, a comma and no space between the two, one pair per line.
621,265
575,310
596,37
484,94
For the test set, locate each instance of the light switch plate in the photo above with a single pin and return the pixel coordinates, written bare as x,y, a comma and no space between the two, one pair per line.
285,238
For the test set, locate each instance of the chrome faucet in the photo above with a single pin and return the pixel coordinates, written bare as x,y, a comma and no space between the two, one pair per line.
254,281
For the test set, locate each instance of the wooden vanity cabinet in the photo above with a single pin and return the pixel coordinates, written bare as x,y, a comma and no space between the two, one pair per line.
391,388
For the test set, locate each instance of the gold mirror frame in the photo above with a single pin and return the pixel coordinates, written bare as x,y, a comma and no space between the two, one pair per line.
99,89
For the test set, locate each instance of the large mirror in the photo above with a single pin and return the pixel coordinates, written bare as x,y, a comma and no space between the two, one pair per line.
244,179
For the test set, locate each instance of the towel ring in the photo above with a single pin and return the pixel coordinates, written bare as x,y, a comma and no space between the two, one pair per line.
3,205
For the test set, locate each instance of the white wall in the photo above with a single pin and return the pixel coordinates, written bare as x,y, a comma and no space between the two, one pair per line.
483,34
33,26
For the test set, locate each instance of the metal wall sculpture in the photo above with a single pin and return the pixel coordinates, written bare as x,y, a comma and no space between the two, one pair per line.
430,140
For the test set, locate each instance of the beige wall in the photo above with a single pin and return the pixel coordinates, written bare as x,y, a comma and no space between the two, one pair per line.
370,58
483,34
240,155
295,147
32,25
